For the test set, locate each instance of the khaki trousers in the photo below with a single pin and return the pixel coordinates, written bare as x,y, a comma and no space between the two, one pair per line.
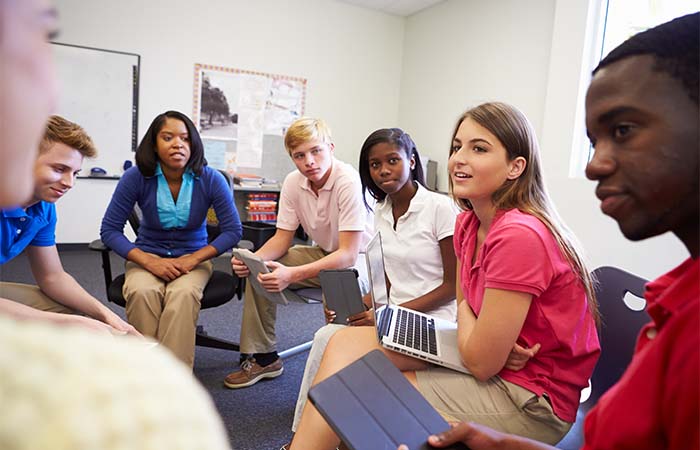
496,403
32,296
260,314
166,311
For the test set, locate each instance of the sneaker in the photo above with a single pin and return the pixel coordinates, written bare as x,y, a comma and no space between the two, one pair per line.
251,372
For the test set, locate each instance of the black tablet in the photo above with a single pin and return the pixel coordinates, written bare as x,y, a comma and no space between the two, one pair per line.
371,405
341,292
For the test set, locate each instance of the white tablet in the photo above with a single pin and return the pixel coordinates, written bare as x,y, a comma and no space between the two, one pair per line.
256,266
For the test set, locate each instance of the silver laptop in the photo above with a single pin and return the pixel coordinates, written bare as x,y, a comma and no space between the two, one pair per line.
404,330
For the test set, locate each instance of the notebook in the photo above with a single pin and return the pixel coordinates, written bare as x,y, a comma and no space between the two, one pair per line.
371,405
406,331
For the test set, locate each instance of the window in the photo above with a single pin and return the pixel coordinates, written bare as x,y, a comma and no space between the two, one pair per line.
610,23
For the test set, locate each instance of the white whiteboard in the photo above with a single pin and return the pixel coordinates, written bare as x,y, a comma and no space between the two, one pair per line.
99,91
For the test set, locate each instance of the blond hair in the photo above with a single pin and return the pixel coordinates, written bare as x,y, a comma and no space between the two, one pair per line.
60,130
305,129
527,193
155,402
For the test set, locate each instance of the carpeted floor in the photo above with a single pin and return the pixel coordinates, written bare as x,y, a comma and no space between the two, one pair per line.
256,418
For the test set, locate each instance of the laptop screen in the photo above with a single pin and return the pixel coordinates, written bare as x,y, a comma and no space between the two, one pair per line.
375,267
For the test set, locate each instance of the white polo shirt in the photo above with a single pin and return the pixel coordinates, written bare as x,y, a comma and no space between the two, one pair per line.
412,257
337,207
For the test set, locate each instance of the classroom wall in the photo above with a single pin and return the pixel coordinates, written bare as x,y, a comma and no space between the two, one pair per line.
368,69
351,57
460,53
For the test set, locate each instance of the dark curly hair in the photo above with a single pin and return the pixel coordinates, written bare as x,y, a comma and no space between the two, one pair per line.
398,138
675,46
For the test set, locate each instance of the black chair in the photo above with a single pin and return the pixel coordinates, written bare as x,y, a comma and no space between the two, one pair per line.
221,288
618,336
620,326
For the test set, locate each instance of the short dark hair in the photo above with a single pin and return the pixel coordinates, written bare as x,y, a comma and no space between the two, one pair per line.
147,151
398,138
675,46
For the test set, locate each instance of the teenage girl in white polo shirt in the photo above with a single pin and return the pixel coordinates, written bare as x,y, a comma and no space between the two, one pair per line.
416,226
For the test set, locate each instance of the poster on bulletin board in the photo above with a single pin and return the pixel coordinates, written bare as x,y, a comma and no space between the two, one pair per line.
242,117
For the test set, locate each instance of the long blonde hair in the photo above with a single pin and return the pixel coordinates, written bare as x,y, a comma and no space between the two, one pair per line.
527,192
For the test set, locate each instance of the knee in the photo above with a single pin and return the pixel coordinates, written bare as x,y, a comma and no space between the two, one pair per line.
325,333
142,292
341,339
188,291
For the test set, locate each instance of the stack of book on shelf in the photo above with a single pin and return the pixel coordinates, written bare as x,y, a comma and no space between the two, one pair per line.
262,207
247,180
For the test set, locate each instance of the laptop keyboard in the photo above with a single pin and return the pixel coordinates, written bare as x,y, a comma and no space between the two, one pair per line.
415,331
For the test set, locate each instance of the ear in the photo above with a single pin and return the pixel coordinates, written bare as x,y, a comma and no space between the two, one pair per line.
412,162
516,168
331,147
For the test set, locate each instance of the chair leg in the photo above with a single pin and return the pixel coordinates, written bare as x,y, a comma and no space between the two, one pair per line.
204,340
296,349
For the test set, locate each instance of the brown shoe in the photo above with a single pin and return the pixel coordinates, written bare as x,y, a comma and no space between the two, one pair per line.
251,372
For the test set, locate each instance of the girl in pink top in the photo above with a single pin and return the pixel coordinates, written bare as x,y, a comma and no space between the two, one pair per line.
526,307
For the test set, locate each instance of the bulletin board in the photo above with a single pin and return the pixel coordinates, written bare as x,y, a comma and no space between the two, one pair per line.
242,117
99,90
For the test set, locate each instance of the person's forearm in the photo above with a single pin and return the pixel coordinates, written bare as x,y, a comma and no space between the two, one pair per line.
273,249
205,253
139,257
466,319
441,295
19,311
63,289
339,259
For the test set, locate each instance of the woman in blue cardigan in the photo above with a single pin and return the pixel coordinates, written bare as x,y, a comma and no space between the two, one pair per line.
169,265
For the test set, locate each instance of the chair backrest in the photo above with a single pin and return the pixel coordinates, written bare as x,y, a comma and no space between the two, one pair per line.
228,178
619,328
134,218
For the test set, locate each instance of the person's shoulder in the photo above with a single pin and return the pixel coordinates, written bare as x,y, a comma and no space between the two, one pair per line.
293,177
210,174
43,209
516,219
345,173
132,175
438,198
292,181
464,219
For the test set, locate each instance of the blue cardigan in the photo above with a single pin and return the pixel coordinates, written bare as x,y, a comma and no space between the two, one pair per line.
210,189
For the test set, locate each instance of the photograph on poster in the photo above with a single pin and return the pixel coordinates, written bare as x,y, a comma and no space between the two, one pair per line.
235,109
218,117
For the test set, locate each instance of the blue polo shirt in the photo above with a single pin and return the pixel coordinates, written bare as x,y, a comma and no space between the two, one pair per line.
21,228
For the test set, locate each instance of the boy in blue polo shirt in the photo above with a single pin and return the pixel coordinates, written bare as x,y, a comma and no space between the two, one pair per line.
31,227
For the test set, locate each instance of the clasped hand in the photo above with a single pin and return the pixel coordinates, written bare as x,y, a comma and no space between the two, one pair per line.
169,269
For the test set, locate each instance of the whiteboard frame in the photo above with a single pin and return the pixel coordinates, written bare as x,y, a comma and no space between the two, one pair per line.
136,77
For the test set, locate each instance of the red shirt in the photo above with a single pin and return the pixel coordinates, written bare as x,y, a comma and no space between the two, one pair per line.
655,403
521,254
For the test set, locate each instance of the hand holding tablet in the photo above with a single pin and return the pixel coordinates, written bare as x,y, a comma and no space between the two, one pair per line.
257,266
